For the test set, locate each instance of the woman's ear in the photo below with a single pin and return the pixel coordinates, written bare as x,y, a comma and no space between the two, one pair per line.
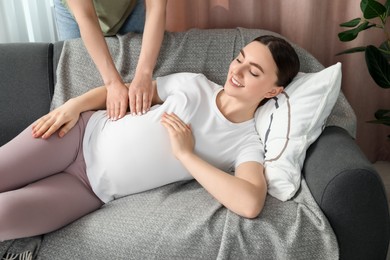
274,92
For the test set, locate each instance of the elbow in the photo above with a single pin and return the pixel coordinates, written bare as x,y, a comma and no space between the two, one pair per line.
252,212
254,205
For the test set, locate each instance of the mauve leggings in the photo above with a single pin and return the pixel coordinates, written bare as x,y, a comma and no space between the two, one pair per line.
43,183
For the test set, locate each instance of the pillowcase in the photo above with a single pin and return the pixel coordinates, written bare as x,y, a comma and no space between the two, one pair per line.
290,122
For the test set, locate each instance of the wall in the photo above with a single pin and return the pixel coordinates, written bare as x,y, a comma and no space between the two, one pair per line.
314,25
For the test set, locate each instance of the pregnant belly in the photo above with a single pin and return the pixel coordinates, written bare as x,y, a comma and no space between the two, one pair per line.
133,156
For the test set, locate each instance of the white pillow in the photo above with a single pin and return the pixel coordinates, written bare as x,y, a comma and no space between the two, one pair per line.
289,123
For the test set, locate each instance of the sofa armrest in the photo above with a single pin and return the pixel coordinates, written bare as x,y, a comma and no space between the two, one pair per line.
26,85
350,193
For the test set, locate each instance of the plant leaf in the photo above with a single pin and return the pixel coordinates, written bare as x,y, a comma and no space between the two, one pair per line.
382,113
351,34
352,50
385,48
363,5
378,66
373,9
352,23
380,121
382,117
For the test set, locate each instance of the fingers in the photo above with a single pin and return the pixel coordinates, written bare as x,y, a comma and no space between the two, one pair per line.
117,101
66,128
132,102
45,126
138,99
180,134
61,120
116,110
173,122
139,102
146,103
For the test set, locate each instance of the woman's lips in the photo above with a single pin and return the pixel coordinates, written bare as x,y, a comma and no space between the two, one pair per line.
236,83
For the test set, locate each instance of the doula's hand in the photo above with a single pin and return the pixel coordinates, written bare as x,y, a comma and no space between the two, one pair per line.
62,118
140,94
117,100
180,134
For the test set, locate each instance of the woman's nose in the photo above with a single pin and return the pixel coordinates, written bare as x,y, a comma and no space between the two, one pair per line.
238,69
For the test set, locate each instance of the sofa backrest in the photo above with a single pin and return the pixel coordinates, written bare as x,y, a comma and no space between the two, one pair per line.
26,85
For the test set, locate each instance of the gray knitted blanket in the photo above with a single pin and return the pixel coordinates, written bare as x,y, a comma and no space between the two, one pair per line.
181,220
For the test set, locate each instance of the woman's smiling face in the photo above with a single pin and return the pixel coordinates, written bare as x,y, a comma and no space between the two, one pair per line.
253,74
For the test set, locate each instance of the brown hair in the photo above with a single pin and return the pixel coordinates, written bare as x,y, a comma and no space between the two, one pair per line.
285,57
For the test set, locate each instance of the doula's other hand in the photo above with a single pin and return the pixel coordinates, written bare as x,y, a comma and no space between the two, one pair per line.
140,94
117,100
62,119
180,134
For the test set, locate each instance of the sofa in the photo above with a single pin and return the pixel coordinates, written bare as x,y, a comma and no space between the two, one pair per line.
156,224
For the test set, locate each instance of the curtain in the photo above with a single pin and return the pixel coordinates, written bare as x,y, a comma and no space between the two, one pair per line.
313,25
27,21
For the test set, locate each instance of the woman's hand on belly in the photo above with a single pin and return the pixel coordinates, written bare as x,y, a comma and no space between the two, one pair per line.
180,135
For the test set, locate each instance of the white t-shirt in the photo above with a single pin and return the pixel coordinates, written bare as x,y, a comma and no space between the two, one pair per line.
134,154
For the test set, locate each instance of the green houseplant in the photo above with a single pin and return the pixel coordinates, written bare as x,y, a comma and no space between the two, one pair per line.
374,15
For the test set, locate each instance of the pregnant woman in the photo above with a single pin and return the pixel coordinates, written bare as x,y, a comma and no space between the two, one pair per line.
74,159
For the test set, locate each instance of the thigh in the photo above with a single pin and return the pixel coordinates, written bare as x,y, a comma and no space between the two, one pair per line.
67,27
45,206
25,159
136,20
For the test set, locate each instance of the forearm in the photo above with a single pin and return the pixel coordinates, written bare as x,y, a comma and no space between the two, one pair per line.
237,194
93,39
152,37
94,99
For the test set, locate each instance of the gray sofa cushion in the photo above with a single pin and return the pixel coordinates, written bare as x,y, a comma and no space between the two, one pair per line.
22,68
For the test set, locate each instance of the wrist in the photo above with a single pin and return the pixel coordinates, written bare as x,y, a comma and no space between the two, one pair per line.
111,83
186,157
76,104
143,72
